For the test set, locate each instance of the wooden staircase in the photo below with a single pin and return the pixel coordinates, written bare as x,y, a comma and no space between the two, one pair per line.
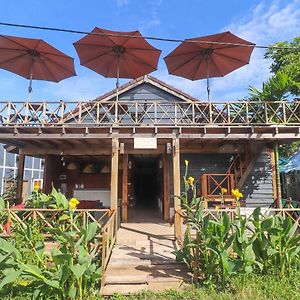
235,177
143,259
242,165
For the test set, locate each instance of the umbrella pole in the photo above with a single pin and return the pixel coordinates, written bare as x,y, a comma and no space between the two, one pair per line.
208,89
117,88
207,81
30,82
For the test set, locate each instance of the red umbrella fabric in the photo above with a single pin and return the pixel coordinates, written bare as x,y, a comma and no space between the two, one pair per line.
116,54
210,56
34,59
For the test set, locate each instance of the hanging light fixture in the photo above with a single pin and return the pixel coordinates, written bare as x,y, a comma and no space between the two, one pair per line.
72,166
88,169
105,170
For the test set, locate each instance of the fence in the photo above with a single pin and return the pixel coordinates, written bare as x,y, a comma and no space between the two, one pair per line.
150,112
52,218
214,214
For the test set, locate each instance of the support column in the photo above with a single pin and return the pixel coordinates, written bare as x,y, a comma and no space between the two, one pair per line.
279,197
20,175
114,175
273,168
177,193
166,187
47,178
125,188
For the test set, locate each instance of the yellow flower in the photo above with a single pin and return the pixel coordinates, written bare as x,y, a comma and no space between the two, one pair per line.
36,187
186,163
191,180
73,203
236,194
223,191
217,207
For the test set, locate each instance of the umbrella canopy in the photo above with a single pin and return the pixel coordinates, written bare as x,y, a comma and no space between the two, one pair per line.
117,54
210,56
34,59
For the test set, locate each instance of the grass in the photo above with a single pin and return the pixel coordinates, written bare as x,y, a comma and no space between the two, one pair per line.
256,288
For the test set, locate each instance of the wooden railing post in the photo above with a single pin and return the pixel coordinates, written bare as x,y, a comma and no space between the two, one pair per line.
20,174
177,194
125,188
114,175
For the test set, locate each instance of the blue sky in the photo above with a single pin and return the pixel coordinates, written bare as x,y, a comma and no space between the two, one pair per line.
262,22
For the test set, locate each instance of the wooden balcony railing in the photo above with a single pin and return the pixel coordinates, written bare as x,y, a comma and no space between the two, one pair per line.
156,113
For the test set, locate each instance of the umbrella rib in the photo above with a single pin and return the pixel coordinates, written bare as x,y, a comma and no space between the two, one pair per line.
55,63
145,63
198,66
50,72
93,58
15,42
224,55
11,59
185,62
212,60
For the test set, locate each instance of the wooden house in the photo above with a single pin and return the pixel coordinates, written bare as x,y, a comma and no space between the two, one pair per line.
130,152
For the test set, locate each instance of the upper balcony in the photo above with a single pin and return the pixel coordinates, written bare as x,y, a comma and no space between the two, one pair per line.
189,119
149,113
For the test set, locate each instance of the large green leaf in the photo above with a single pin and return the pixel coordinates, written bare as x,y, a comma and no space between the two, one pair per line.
52,283
72,291
7,246
91,231
10,278
78,270
2,203
267,223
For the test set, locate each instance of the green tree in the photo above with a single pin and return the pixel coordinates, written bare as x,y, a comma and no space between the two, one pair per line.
284,82
287,61
276,88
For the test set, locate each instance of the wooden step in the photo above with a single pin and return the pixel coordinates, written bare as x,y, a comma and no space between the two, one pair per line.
139,261
115,279
124,289
143,268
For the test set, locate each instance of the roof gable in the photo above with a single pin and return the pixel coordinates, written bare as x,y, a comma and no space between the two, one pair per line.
148,88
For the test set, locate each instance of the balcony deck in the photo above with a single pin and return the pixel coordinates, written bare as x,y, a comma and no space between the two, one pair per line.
90,120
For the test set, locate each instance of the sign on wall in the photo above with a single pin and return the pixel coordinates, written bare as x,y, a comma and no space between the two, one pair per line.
145,143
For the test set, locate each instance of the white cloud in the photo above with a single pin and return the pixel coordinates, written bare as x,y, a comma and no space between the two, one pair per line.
78,88
154,13
267,23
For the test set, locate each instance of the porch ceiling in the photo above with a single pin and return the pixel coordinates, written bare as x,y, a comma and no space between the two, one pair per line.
97,140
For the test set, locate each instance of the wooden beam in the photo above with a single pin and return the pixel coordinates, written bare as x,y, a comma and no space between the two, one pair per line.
176,186
67,151
125,188
278,183
166,171
230,137
273,170
114,174
20,175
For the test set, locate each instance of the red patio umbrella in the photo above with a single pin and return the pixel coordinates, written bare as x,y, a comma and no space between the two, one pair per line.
34,59
117,54
210,56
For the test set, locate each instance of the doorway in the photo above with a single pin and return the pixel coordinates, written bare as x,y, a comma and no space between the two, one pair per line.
145,181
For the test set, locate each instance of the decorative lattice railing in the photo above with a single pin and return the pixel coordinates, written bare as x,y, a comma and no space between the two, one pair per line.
142,112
